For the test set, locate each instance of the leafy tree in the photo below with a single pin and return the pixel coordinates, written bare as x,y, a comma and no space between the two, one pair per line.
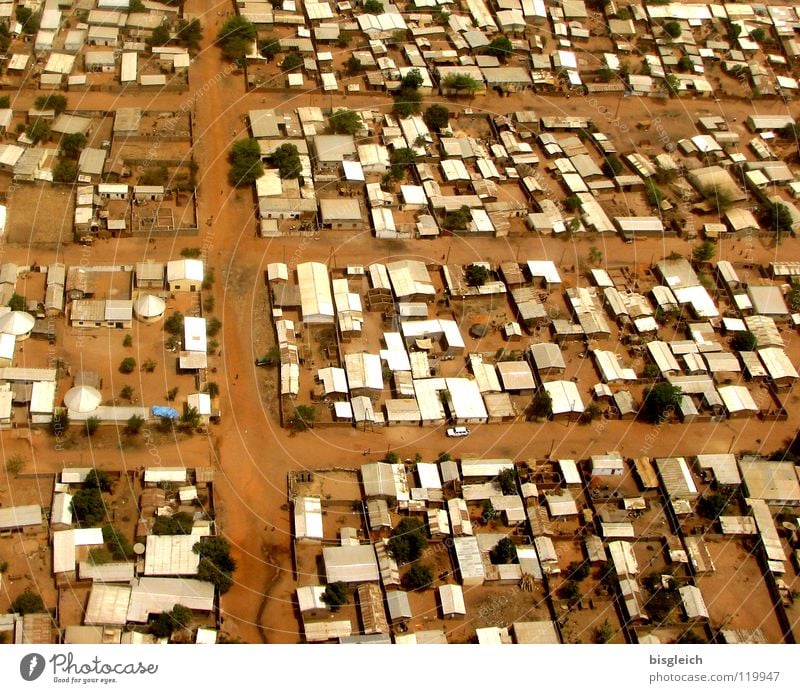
174,323
712,505
477,275
789,132
345,122
92,424
100,555
29,22
15,464
570,591
213,390
149,366
88,507
373,7
456,220
685,64
604,634
213,327
500,47
245,162
303,418
400,159
572,203
651,370
172,394
504,552
353,65
55,102
660,400
336,594
408,540
488,513
744,341
673,29
758,35
235,37
436,117
190,33
190,419
292,61
160,35
269,47
72,144
134,424
595,257
216,563
391,457
542,405
412,79
38,131
345,37
703,252
128,365
606,75
461,82
29,602
167,622
612,166
418,577
127,341
407,103
179,523
117,543
16,302
578,570
776,217
507,479
65,171
100,480
653,193
673,84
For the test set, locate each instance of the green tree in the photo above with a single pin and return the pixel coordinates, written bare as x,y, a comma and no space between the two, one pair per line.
689,637
213,390
174,323
462,83
65,171
673,84
703,252
776,217
504,552
190,420
117,543
712,505
578,570
55,102
213,326
269,47
126,393
400,159
292,61
180,523
134,424
507,479
373,7
345,122
500,47
673,29
595,257
16,302
302,418
793,297
412,79
653,193
407,102
456,220
685,64
437,117
758,35
72,144
604,633
488,513
408,540
128,365
216,563
149,366
477,275
418,577
570,591
612,166
29,602
88,507
127,341
235,37
336,594
189,33
160,35
38,131
542,405
572,203
245,162
100,555
660,401
91,425
606,75
744,341
353,65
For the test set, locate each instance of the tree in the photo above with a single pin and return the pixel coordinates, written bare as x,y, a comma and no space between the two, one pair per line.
408,540
400,159
149,366
744,341
235,37
29,602
353,65
685,64
456,220
651,370
689,637
595,257
604,634
673,84
703,252
542,405
462,83
758,35
660,402
65,171
345,122
92,424
436,117
418,577
88,507
15,464
213,327
216,563
167,622
190,419
172,393
100,555
190,33
292,61
412,79
155,175
174,323
72,144
507,479
117,543
653,193
673,29
572,203
38,131
504,552
606,75
128,365
500,47
477,275
303,418
55,102
488,513
793,297
776,217
16,302
160,35
612,166
269,47
178,524
213,390
245,162
336,594
30,23
127,341
570,591
134,424
407,103
373,7
712,505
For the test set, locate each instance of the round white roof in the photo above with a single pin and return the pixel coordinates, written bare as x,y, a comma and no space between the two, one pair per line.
83,399
17,322
149,306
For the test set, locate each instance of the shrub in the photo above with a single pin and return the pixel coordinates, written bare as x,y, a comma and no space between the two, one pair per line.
128,365
29,602
418,577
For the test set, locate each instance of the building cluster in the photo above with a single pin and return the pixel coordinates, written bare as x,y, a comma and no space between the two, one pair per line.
121,574
77,45
373,346
621,529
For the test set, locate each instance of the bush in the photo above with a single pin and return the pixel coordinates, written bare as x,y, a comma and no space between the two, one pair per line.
117,543
127,341
128,365
134,424
15,464
303,418
418,577
99,555
464,83
92,424
408,540
191,252
126,393
29,602
149,366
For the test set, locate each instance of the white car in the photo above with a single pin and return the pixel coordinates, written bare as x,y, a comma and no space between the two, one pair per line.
457,432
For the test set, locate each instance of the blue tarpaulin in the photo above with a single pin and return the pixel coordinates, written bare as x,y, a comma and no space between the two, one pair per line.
167,412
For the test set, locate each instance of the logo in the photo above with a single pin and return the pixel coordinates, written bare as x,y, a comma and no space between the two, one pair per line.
31,666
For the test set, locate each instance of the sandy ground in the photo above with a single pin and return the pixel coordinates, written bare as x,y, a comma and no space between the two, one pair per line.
251,453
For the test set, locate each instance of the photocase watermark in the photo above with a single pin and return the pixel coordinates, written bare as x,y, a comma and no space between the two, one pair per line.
66,669
31,666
